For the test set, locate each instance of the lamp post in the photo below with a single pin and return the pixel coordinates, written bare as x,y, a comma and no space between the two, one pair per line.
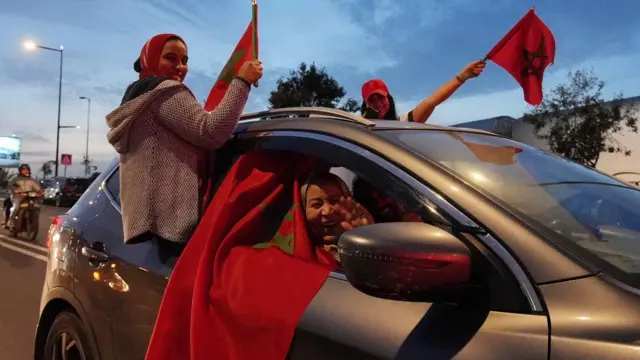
30,45
86,150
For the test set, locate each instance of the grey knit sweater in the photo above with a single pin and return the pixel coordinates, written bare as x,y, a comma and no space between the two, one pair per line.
159,136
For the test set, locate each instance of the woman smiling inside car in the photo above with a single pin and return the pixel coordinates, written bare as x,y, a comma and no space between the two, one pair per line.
162,135
330,210
378,104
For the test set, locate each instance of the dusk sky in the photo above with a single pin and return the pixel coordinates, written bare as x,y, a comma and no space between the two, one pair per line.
414,45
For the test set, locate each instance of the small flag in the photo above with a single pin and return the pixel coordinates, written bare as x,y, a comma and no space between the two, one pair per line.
246,50
525,52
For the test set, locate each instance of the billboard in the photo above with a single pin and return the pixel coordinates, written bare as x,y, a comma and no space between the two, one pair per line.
9,151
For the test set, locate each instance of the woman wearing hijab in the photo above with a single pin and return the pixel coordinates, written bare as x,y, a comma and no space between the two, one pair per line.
162,135
330,210
378,104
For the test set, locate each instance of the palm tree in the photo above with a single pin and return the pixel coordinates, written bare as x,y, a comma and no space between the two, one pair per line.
46,168
89,168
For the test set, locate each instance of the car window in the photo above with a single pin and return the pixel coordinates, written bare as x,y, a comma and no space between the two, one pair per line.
390,190
592,213
113,185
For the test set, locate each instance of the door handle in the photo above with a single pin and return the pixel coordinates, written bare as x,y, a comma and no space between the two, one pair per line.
95,255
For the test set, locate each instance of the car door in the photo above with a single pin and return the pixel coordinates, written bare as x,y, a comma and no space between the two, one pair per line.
343,323
137,275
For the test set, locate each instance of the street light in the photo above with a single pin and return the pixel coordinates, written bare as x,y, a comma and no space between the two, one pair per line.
86,150
31,45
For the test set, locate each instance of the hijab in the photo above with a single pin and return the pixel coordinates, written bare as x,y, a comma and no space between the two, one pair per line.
149,60
147,66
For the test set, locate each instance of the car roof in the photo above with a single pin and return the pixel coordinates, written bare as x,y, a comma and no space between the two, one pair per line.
333,125
329,121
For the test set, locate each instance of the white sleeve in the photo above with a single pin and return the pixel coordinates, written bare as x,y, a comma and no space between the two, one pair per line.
404,117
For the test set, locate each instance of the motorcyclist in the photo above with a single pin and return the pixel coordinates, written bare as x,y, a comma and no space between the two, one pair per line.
18,185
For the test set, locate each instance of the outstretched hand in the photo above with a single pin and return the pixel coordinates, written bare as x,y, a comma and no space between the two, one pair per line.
473,70
352,214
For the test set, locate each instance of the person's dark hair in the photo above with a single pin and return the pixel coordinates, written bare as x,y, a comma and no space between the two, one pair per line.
136,64
362,190
391,114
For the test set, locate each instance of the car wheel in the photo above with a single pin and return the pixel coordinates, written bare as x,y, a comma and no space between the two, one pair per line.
67,339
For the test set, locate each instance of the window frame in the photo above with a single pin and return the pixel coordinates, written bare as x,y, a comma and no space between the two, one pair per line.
285,140
105,189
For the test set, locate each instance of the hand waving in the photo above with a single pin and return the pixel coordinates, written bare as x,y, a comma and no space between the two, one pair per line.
352,214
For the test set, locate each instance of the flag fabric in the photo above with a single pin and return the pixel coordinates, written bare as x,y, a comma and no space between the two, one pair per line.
525,52
238,291
497,155
247,49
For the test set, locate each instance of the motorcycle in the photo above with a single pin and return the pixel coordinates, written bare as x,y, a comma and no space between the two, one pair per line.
28,215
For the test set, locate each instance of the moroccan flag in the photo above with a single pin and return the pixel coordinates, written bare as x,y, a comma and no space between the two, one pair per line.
525,52
247,49
249,271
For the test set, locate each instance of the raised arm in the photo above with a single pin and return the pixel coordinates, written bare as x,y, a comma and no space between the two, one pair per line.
182,113
423,111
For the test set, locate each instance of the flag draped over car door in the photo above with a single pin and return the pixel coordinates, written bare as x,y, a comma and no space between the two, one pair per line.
238,291
525,52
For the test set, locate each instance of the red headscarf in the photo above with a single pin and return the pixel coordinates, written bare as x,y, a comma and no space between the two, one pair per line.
149,60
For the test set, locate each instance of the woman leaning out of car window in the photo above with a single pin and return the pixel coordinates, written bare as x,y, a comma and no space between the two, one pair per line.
378,104
162,134
330,210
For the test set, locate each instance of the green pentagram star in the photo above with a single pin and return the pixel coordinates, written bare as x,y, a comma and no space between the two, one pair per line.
227,73
530,61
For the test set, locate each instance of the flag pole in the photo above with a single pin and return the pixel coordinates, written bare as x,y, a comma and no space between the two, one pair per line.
254,32
533,8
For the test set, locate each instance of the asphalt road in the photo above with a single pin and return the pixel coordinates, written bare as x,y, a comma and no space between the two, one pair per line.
22,270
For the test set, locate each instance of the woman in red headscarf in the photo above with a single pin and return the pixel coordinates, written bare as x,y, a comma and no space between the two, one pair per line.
377,103
162,135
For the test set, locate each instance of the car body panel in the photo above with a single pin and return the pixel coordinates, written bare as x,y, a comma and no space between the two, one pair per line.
341,317
593,318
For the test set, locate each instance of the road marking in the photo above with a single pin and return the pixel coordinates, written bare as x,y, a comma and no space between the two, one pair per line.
24,243
4,244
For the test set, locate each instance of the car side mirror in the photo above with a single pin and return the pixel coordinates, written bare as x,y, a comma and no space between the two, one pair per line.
408,261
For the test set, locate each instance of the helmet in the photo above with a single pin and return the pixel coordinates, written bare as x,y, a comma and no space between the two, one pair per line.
24,167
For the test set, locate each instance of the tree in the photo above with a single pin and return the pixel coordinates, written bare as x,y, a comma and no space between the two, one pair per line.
309,86
89,168
578,123
46,168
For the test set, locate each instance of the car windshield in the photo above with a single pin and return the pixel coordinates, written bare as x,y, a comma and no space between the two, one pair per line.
565,200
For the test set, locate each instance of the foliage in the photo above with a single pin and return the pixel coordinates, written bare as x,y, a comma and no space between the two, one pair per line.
309,86
578,123
89,168
47,168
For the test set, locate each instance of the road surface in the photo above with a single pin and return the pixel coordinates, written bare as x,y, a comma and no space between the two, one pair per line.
22,267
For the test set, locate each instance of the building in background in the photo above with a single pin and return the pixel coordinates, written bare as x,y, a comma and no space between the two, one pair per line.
625,167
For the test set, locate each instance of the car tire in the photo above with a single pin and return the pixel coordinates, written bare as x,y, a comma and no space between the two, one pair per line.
67,333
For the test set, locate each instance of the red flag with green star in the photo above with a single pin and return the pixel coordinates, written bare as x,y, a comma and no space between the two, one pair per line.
247,49
525,52
238,291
